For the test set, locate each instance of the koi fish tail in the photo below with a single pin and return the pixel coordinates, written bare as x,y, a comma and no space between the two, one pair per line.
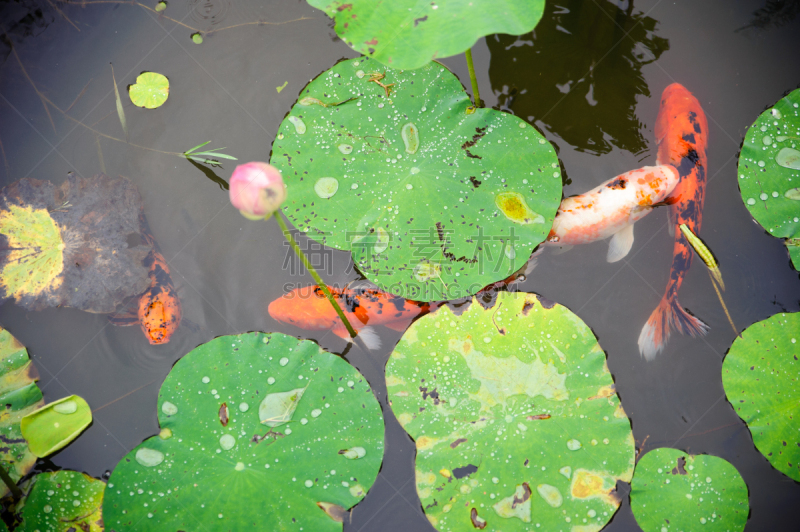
668,315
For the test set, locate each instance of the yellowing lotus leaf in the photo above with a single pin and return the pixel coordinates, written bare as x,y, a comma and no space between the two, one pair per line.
68,245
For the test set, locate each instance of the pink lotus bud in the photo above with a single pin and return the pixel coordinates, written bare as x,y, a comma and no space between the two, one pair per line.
257,190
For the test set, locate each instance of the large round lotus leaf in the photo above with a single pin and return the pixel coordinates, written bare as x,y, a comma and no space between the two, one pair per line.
769,171
21,395
64,501
66,246
55,425
258,432
760,376
434,201
515,417
675,491
150,90
408,34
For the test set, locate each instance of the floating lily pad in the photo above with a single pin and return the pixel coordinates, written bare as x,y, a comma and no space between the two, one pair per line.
407,34
150,90
66,246
55,425
219,460
21,395
760,376
769,171
434,199
673,490
515,416
63,501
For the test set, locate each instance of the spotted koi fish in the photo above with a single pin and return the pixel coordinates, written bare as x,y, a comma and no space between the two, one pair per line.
308,308
611,209
158,312
682,136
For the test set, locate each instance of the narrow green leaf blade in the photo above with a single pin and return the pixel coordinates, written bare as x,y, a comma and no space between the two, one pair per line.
120,109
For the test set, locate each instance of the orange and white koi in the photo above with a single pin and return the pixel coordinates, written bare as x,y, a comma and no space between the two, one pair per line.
308,308
682,136
158,312
611,209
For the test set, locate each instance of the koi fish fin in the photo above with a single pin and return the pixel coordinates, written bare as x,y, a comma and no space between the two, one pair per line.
671,222
124,318
369,337
620,244
563,249
668,315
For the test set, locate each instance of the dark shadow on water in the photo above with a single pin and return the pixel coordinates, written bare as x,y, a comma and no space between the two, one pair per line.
584,88
774,14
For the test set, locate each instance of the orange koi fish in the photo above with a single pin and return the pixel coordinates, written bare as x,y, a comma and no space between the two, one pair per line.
159,308
682,136
611,209
308,308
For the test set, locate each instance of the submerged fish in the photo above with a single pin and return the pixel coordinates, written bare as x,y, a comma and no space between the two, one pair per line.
158,311
308,308
611,209
682,136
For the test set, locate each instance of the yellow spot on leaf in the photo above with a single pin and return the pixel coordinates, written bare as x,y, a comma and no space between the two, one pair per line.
586,485
35,259
513,205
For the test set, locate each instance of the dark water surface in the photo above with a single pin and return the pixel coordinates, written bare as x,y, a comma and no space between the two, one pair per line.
589,78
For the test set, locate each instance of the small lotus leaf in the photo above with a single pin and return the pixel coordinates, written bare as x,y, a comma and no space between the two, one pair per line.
21,395
150,90
64,500
425,191
217,468
515,416
55,425
66,246
769,170
407,34
760,376
674,490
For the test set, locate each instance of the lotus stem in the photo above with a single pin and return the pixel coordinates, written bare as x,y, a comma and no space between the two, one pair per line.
475,92
314,274
12,486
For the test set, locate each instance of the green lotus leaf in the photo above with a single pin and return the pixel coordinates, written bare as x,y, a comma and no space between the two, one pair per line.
150,90
769,171
515,416
673,490
218,464
67,245
760,376
21,395
55,425
408,34
434,199
62,501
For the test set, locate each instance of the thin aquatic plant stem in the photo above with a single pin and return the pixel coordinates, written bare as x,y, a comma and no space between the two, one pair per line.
313,272
475,92
719,295
12,486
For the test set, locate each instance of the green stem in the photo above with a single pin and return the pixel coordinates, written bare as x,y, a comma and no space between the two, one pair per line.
475,92
12,486
313,272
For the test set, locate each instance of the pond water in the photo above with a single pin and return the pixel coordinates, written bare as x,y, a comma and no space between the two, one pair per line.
588,78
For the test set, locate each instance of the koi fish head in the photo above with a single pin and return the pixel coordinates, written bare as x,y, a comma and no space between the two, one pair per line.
159,314
681,126
305,307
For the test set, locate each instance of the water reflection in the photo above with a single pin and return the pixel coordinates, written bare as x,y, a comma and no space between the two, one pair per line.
579,73
775,13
